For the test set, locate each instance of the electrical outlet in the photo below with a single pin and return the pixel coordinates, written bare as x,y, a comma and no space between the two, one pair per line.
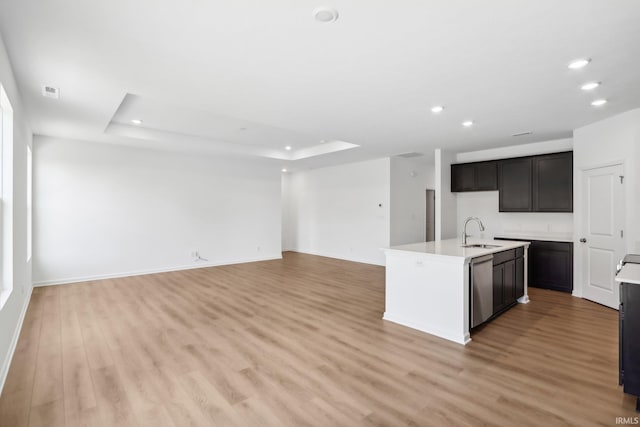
194,254
258,248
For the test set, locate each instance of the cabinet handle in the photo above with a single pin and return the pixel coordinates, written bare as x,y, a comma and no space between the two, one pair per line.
583,240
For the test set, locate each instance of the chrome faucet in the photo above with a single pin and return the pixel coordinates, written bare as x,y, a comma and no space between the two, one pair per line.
464,230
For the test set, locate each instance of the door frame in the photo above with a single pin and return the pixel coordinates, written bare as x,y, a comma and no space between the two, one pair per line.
578,220
430,215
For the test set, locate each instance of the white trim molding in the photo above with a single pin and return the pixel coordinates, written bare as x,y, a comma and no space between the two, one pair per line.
64,281
6,364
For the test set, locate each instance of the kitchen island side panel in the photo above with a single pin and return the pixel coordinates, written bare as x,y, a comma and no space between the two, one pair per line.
428,293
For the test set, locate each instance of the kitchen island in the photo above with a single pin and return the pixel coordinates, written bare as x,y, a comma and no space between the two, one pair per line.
428,284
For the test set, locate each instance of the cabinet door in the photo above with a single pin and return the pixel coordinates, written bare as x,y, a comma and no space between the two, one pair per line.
551,265
630,297
463,177
514,181
486,176
519,285
498,287
509,282
553,183
621,336
480,176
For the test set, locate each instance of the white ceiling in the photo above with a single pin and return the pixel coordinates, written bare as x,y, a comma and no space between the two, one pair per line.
198,71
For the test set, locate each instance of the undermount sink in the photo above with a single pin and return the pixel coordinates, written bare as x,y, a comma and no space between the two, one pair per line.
480,245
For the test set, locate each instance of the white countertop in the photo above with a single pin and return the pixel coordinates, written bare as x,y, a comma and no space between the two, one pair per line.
537,235
630,273
453,247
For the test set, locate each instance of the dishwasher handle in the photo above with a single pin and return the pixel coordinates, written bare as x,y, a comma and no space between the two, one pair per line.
481,259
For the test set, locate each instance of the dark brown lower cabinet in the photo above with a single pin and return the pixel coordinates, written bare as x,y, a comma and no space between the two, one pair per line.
550,265
508,279
503,285
630,339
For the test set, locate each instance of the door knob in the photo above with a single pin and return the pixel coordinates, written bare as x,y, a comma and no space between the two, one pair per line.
583,240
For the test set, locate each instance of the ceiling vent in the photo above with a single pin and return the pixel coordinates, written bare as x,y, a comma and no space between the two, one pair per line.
409,155
522,133
50,92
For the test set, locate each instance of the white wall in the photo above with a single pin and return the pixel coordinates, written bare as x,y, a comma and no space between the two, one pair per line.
289,217
12,312
614,140
521,150
446,204
409,180
484,204
342,211
108,210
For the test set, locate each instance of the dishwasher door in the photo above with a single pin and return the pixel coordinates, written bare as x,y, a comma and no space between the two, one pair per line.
481,289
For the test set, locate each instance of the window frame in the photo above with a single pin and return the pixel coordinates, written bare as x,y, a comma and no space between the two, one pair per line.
6,197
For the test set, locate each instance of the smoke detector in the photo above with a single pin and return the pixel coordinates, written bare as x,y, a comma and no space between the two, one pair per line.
325,14
50,92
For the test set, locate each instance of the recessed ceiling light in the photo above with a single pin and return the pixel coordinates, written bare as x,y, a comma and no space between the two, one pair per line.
579,63
325,14
288,147
322,141
599,102
437,109
590,86
136,121
284,170
467,124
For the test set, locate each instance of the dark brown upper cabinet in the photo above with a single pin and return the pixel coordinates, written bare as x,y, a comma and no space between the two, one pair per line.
514,178
526,184
553,182
537,183
479,176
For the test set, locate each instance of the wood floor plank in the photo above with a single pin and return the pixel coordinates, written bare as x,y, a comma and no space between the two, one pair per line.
156,416
48,384
254,412
15,408
87,418
208,399
179,404
112,402
95,346
300,342
49,414
79,396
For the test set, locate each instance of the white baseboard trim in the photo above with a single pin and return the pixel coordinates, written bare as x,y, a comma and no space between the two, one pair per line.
68,280
4,371
464,337
334,256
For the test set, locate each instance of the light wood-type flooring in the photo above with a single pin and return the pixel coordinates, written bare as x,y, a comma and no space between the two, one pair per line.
300,342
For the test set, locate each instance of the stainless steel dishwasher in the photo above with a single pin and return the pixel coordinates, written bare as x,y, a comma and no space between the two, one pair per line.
481,289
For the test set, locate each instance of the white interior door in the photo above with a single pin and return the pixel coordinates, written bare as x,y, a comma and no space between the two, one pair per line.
602,239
